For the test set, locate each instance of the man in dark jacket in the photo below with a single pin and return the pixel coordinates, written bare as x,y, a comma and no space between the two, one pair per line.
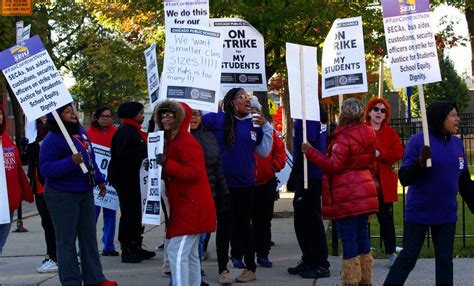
128,151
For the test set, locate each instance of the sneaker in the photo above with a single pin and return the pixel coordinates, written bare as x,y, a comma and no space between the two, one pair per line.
238,263
298,269
48,266
398,249
166,271
391,259
224,278
246,276
205,255
160,247
264,262
315,273
110,253
272,243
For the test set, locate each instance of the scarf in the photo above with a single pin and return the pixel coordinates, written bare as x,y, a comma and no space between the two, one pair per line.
135,124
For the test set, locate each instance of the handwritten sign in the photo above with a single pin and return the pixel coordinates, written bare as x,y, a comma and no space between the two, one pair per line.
192,67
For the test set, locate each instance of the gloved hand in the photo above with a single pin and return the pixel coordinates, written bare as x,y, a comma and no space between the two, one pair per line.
425,154
161,159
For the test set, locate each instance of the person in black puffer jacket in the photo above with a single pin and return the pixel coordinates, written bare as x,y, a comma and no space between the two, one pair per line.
220,193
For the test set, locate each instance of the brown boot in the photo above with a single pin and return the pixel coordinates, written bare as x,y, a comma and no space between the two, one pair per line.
366,266
350,273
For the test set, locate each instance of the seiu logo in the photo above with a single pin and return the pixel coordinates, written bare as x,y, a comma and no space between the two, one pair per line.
407,6
20,53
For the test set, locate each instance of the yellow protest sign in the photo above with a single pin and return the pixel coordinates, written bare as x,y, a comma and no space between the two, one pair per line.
16,7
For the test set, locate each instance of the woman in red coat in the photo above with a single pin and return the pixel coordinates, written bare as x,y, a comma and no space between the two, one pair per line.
192,210
349,193
388,150
18,187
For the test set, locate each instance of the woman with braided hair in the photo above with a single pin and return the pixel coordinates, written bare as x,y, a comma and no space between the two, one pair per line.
238,137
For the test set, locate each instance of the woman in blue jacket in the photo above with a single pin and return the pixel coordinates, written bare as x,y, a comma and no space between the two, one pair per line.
431,202
70,200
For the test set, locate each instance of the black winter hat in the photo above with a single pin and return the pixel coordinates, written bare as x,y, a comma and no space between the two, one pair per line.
129,109
437,112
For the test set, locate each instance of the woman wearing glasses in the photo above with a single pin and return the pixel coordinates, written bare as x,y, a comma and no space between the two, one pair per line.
238,137
388,150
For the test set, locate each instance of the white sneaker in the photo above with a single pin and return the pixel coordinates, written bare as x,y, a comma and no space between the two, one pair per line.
391,259
398,249
48,267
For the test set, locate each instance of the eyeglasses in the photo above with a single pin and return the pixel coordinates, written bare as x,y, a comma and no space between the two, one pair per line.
168,115
244,96
105,116
376,109
196,114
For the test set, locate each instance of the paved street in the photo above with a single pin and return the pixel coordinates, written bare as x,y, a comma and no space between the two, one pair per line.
24,252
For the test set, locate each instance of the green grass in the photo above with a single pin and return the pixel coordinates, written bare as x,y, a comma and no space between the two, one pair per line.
427,251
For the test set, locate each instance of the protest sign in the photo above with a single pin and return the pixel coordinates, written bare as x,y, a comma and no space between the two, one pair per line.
4,206
102,158
309,77
34,79
152,75
284,174
343,62
16,7
186,13
243,60
151,211
192,67
411,45
143,182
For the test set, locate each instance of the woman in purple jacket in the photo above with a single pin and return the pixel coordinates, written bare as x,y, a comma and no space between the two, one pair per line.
70,200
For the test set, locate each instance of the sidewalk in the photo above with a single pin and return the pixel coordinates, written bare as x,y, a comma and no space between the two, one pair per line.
24,252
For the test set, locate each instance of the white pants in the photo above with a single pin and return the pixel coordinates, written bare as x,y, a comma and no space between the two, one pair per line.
184,260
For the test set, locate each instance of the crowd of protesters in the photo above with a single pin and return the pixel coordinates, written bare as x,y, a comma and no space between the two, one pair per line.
218,167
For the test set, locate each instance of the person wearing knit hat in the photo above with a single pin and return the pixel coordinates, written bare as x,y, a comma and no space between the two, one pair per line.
128,151
349,193
129,109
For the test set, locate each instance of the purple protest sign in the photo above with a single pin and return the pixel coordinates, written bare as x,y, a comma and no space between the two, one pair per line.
392,8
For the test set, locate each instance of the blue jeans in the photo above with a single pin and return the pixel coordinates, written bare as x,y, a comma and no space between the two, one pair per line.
4,232
354,234
108,229
413,239
73,216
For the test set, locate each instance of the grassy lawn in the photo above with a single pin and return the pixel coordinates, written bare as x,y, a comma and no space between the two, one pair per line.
428,249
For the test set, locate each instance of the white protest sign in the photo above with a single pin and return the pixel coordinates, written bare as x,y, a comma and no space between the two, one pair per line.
111,199
4,206
152,75
26,33
343,62
34,79
243,60
186,13
151,211
19,31
192,67
310,79
284,173
411,45
143,183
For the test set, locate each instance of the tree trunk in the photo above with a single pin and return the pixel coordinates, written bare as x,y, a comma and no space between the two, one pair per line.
470,27
287,122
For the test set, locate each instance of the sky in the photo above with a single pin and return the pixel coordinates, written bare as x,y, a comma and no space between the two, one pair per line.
461,56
